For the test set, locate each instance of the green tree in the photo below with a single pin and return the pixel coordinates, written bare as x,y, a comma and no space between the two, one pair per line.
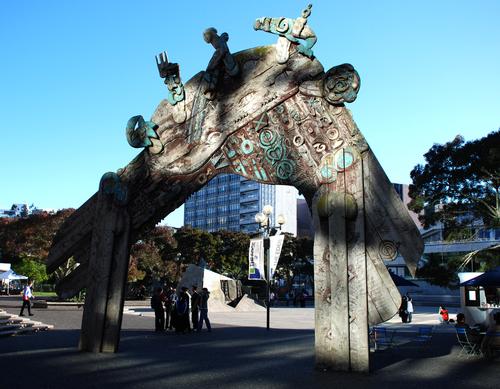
463,178
194,245
32,269
295,254
231,256
458,185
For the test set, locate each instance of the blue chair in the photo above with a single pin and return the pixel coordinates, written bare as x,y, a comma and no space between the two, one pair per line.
491,343
424,335
468,348
382,337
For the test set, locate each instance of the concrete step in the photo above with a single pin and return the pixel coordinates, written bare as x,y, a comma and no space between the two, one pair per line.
9,327
7,333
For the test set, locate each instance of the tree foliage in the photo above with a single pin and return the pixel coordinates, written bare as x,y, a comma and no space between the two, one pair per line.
32,269
160,254
29,237
231,254
459,178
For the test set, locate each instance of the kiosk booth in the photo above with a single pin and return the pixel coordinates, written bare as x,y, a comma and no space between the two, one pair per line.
480,296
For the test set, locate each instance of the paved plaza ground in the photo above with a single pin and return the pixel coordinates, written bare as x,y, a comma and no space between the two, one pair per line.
239,353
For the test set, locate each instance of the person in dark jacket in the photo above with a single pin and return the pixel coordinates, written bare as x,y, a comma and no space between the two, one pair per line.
195,303
181,322
403,310
157,305
170,300
205,294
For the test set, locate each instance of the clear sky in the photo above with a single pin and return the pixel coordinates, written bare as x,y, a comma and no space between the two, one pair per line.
73,72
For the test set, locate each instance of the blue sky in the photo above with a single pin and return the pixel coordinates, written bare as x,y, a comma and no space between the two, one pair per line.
73,72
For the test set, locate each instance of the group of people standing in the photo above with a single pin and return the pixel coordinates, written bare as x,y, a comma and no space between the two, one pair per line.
172,310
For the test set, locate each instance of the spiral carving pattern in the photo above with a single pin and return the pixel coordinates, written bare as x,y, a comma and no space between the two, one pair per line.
388,250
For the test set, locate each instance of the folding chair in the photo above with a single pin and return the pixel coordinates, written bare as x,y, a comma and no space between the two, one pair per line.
382,337
492,349
468,348
424,335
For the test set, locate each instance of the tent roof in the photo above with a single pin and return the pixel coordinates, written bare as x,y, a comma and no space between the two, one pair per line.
489,278
11,275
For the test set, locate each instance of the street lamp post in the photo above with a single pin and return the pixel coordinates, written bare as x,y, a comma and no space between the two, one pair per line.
264,220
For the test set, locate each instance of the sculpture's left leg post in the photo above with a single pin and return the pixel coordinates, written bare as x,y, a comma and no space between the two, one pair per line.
341,304
108,266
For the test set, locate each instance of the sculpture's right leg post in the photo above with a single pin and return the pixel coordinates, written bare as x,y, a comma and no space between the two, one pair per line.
340,275
108,265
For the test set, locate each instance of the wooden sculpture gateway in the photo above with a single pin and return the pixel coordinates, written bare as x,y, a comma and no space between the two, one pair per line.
273,115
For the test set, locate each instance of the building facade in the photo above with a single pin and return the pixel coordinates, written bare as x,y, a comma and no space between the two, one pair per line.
230,202
19,210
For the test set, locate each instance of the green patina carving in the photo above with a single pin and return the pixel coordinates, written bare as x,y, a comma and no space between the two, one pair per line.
295,30
140,132
170,72
112,185
275,152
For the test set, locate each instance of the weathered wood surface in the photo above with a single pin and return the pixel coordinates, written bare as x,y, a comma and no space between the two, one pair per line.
341,273
107,269
357,270
117,284
276,123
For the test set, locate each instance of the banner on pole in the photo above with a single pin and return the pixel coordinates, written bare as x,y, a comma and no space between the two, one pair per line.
256,260
275,246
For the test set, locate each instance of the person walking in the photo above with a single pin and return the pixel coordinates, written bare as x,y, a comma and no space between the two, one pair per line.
409,307
205,295
272,299
27,296
195,304
157,305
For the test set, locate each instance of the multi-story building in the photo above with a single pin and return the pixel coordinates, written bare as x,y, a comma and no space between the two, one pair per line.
22,210
230,202
305,228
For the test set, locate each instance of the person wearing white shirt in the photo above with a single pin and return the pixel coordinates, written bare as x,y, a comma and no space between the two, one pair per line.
27,296
409,308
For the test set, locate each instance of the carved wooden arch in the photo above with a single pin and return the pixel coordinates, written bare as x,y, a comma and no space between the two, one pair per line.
275,116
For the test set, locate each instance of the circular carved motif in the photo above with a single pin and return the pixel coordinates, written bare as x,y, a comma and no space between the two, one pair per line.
388,250
247,147
202,178
267,137
343,159
327,168
332,133
298,140
282,25
341,84
284,169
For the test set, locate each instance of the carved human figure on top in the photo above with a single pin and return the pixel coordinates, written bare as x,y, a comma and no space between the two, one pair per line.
290,31
221,61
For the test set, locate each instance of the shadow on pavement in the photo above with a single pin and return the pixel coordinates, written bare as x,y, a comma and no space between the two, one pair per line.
229,357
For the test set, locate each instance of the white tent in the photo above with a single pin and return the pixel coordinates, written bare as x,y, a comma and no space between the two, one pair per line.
9,276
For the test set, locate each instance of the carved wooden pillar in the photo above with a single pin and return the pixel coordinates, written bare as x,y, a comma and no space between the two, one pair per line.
340,272
107,268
